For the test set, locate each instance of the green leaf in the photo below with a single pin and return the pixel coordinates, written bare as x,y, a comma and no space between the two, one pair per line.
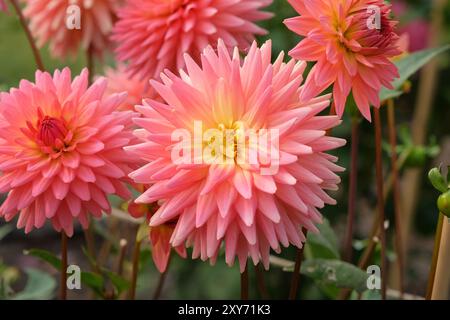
386,94
90,279
324,244
5,230
335,273
409,65
40,286
120,283
93,281
438,180
46,256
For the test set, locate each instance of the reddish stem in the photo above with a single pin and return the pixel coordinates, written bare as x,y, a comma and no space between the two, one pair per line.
63,281
380,198
397,194
348,247
244,284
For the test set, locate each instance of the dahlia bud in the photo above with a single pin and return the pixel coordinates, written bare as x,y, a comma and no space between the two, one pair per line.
444,203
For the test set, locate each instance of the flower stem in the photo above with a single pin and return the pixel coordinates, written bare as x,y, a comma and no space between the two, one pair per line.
90,63
121,258
295,281
259,271
135,270
63,281
162,279
244,283
348,248
23,22
380,198
397,193
434,261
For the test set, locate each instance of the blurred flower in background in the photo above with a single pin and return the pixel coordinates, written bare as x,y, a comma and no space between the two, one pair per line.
417,29
52,22
155,34
119,80
3,6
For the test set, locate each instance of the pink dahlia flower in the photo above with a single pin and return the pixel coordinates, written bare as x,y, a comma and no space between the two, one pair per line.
119,80
55,22
352,48
154,34
61,150
232,199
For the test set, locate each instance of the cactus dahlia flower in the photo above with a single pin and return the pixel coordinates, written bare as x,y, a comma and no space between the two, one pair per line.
352,42
154,34
68,25
61,150
250,194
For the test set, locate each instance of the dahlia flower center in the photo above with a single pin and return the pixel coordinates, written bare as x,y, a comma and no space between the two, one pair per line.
227,142
52,132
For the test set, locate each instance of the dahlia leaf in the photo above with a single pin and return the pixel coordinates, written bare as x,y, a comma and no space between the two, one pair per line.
120,283
90,279
409,65
335,273
46,256
324,244
40,286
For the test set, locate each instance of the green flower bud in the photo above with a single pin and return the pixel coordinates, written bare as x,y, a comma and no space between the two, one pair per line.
444,203
437,180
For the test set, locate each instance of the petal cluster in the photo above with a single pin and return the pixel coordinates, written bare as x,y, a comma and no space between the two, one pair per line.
235,203
159,236
154,34
119,80
352,42
56,23
61,150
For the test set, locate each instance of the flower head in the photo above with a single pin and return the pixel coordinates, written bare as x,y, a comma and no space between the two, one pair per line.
61,150
68,25
154,34
352,42
252,194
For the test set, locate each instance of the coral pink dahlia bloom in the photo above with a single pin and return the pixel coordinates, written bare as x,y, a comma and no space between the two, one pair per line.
352,42
61,150
232,199
55,23
154,34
